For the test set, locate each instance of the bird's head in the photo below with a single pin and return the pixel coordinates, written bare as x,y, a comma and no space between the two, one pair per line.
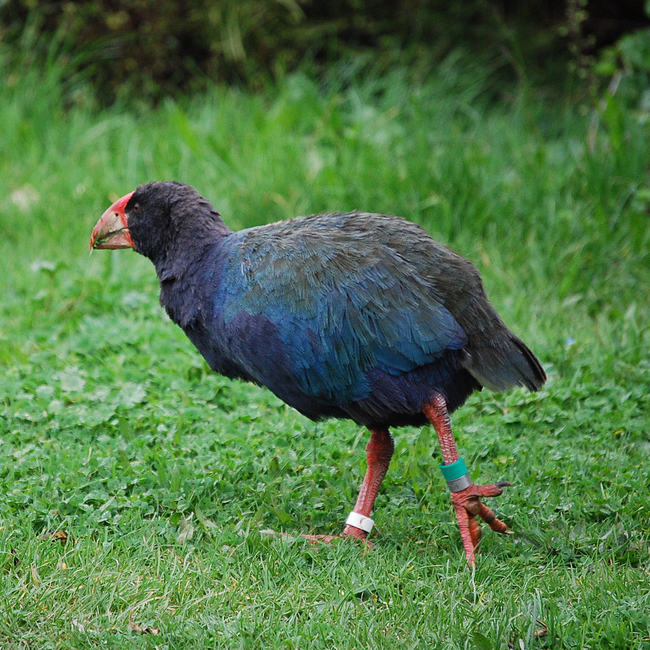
153,217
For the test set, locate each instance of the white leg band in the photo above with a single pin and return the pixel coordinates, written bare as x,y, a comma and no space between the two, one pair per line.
359,521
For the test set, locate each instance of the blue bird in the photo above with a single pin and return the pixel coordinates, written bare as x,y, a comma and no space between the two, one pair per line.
347,315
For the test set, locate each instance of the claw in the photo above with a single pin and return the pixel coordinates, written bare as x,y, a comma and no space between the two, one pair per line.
468,506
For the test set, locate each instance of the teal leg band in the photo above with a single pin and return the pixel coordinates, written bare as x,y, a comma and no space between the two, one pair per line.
456,475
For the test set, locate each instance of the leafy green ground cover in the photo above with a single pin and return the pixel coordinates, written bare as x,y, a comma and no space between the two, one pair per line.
165,477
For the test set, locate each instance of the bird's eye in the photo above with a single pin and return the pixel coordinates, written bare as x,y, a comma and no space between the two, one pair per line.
136,207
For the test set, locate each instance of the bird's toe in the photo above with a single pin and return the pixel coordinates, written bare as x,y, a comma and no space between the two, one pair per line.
468,506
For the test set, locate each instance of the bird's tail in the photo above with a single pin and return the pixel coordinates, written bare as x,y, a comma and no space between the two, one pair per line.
505,362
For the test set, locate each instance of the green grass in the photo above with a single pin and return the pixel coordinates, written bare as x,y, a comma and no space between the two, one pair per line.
165,477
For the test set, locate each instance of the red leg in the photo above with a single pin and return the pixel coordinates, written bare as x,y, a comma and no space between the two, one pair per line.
467,502
379,451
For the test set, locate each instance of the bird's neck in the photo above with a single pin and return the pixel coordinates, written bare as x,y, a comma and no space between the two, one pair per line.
186,250
182,274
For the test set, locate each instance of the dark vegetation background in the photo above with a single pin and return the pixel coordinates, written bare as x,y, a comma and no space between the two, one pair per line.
147,49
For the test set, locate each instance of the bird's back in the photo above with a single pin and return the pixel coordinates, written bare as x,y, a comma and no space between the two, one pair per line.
355,315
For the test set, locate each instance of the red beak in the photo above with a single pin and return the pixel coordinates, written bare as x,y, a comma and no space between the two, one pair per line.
112,230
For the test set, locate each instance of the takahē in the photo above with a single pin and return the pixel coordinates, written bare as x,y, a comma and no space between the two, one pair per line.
356,315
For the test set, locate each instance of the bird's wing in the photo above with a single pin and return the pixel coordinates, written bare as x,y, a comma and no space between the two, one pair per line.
320,307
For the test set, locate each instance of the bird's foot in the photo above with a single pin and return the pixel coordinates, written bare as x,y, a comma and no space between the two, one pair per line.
468,506
349,532
320,539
